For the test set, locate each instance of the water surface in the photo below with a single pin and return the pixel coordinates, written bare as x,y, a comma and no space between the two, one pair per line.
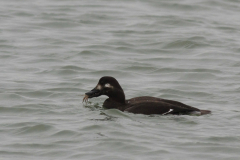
52,52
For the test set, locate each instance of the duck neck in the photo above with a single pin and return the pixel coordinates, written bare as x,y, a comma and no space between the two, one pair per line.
118,96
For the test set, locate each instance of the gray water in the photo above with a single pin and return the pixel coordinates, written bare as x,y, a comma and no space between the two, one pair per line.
53,51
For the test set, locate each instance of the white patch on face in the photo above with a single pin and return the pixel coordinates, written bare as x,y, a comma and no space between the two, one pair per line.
108,85
99,87
170,110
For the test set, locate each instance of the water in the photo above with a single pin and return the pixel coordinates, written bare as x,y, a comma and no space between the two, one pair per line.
52,52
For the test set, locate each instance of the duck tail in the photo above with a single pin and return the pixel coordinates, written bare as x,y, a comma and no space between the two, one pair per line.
205,112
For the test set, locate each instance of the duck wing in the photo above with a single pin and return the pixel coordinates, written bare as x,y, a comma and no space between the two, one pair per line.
149,108
152,105
180,105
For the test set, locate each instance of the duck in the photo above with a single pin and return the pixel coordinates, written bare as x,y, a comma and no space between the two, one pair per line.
147,105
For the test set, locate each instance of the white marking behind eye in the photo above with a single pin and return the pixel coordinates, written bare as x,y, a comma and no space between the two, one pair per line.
99,87
108,85
168,111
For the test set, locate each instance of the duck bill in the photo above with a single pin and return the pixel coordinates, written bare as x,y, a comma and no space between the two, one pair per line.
94,93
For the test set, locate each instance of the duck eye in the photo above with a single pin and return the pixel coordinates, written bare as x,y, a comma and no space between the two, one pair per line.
107,85
101,82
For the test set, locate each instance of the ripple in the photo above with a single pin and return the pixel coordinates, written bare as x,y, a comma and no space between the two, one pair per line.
111,73
185,44
65,133
198,76
181,92
35,129
72,67
89,53
224,139
18,153
20,109
67,72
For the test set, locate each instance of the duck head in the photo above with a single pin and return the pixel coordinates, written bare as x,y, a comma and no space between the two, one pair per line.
110,87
